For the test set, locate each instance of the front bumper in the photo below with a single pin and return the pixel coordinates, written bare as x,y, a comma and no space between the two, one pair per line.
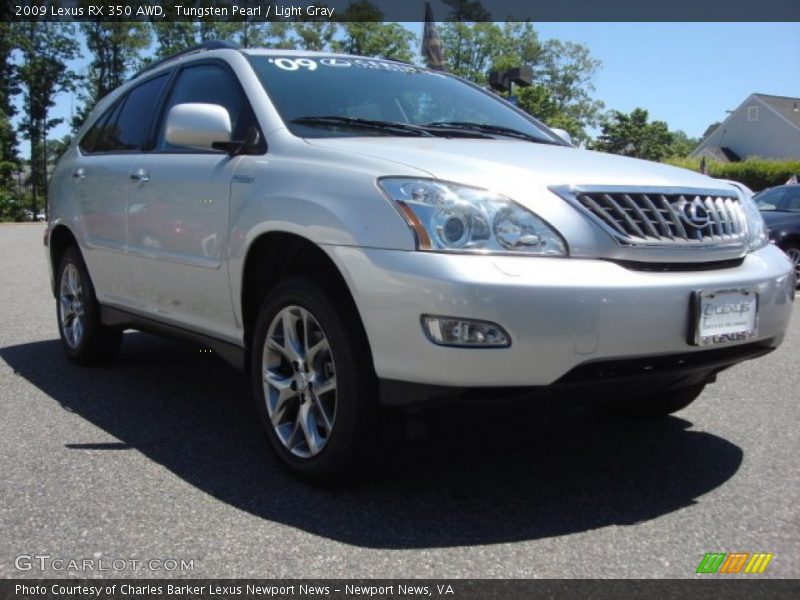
560,313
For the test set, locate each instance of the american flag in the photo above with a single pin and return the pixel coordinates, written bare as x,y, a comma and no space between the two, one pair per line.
431,43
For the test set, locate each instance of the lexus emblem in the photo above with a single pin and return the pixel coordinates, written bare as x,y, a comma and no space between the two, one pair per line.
694,213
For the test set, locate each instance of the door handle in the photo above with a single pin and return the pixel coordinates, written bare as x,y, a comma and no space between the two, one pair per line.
79,173
140,175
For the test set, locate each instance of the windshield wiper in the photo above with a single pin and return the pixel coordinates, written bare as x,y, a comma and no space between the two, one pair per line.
485,128
354,123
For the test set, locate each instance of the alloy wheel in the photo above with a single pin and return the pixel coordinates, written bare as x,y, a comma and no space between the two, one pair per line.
71,306
299,380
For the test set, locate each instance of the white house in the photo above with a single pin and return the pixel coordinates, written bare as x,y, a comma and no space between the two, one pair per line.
763,125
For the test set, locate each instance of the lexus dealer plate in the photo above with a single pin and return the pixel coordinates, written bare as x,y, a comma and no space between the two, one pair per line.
725,316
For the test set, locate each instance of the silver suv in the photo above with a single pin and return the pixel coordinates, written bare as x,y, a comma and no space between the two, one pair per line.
357,232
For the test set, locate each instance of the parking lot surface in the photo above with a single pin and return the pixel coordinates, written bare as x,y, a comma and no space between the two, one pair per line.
160,457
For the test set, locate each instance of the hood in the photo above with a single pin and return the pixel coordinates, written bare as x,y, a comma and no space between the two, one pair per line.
507,166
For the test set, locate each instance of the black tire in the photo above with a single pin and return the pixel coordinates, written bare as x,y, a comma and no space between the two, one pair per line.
655,405
98,344
350,444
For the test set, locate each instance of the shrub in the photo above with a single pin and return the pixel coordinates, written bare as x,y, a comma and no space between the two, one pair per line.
11,208
755,173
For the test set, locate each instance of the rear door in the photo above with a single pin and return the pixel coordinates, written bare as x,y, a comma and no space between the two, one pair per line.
178,211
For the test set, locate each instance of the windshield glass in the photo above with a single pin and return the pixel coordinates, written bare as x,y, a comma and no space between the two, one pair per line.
769,199
378,90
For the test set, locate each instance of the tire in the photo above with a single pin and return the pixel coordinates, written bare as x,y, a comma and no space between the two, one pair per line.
792,250
317,395
85,339
656,405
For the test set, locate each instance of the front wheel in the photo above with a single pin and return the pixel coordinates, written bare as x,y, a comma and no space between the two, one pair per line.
313,381
656,405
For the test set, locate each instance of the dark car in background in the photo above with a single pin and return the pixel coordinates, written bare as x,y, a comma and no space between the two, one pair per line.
780,207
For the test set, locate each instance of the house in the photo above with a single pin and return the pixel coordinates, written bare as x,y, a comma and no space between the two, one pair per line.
763,125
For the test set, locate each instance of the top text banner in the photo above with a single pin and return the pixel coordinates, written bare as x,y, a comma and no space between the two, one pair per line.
404,11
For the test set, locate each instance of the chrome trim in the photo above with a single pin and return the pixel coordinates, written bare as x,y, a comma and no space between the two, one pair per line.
654,217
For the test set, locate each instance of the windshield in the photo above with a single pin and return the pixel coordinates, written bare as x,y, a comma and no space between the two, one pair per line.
381,91
784,199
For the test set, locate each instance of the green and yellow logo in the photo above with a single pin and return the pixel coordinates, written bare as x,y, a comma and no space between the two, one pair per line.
734,562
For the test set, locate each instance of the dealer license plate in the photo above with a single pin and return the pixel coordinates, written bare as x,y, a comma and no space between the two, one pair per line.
725,316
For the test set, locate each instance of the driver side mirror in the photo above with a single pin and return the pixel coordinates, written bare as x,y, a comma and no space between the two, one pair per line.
201,126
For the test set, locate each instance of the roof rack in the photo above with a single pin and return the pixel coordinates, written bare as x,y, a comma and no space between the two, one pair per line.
205,46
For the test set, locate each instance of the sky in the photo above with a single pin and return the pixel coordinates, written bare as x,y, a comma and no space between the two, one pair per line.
687,74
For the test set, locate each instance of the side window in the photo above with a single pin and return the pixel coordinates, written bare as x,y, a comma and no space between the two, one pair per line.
128,128
209,84
89,141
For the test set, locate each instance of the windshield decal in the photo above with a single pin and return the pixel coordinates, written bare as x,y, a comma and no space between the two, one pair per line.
310,64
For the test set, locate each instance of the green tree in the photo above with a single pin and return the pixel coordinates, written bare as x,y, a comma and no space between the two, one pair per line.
682,145
46,51
173,36
633,135
467,10
251,33
313,34
567,70
537,101
9,88
116,48
279,35
366,35
472,49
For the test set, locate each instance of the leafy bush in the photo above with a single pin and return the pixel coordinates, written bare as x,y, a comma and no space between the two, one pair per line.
11,208
755,173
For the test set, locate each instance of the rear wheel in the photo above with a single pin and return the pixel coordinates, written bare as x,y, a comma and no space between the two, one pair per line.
313,381
656,405
84,338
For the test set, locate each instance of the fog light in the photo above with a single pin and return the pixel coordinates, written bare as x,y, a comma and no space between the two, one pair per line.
450,331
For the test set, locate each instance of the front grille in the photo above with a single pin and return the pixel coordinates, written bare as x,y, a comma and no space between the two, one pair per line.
666,218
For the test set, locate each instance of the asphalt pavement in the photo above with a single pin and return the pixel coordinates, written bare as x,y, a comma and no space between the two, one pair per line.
160,458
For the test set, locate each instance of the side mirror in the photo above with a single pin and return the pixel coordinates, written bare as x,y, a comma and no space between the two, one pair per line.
563,134
195,125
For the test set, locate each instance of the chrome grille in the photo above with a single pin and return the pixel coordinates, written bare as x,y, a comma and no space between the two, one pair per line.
666,218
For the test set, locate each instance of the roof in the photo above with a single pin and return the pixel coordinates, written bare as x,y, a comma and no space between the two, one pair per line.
786,106
720,154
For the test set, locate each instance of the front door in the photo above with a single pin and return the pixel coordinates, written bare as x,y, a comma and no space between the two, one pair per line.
178,208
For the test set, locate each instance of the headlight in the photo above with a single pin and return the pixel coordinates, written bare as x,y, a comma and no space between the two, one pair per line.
757,234
455,218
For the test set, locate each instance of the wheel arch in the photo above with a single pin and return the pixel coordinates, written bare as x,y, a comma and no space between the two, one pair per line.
297,256
61,238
